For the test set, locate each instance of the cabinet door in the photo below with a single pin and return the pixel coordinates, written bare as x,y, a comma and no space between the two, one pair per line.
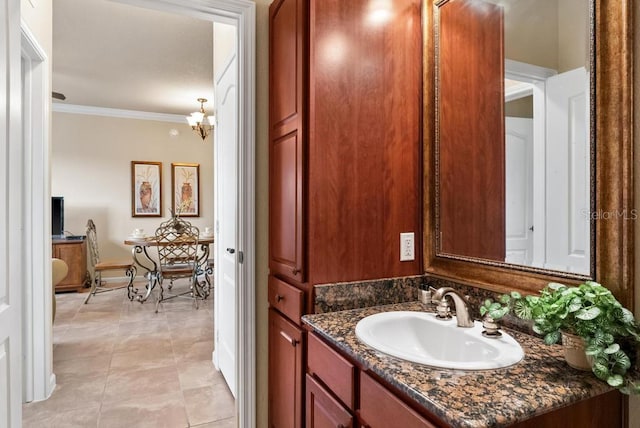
285,373
75,256
379,407
287,20
324,411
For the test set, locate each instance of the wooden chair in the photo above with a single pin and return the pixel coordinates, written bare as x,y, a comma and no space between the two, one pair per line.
177,244
97,267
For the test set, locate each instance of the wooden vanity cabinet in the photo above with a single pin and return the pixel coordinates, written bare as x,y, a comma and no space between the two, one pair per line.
345,165
378,406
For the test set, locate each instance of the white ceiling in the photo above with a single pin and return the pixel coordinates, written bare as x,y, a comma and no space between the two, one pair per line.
107,54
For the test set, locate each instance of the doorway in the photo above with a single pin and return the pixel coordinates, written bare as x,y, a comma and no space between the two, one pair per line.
240,14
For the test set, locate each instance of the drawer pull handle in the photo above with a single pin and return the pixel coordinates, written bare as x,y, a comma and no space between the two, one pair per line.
288,338
279,297
295,271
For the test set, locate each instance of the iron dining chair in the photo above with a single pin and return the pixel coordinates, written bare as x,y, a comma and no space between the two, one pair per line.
177,244
97,267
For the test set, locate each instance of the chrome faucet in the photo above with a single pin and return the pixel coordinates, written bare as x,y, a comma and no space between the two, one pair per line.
439,298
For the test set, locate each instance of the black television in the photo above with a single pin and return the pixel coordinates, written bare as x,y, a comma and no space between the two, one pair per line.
57,216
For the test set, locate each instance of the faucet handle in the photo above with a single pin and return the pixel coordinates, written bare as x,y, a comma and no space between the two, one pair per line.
443,310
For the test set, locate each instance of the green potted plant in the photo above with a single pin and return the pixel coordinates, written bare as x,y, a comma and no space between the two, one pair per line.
589,311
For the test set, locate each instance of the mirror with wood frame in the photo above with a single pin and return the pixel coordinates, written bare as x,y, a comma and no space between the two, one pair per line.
513,132
462,114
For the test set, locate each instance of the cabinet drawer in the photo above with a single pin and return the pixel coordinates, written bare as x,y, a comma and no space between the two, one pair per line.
286,298
324,411
380,408
330,367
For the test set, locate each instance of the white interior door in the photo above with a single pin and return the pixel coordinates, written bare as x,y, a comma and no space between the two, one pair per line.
567,163
226,90
519,190
11,194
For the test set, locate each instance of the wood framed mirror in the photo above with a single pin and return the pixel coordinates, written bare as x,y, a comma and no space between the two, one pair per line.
611,255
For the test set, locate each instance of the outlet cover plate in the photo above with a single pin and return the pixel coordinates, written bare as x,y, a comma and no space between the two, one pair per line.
407,247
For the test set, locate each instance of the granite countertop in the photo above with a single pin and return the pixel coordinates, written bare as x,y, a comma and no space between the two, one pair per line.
541,382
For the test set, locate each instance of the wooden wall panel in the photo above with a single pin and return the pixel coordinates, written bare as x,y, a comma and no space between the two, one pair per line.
471,130
364,133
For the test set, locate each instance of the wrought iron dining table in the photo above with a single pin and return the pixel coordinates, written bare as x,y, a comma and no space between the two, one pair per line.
148,265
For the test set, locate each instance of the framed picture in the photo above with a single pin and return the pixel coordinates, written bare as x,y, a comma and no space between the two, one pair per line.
146,185
185,185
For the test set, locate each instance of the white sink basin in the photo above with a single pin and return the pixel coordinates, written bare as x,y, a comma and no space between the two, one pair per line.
422,338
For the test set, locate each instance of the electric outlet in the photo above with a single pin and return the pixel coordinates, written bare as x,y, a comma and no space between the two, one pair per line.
407,247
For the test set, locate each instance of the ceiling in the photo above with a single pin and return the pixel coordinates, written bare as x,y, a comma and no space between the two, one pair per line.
107,54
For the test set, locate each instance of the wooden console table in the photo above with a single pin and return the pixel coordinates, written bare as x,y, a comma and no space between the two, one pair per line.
74,253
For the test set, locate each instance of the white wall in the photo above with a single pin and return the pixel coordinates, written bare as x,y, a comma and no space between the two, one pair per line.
91,168
37,14
549,33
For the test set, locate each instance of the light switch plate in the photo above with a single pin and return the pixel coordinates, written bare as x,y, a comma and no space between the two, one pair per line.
407,247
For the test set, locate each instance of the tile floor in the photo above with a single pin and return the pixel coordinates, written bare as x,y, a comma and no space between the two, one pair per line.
119,364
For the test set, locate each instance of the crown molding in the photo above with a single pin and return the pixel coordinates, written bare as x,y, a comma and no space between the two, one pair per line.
113,112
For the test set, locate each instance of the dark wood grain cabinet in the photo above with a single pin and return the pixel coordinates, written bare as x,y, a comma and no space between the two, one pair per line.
324,411
285,372
74,253
287,49
380,408
345,165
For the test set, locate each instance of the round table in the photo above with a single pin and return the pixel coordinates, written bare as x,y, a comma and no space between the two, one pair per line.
143,260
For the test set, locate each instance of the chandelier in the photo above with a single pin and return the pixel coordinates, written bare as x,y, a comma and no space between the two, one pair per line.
201,123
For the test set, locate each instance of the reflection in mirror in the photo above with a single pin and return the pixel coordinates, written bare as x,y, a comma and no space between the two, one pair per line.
513,141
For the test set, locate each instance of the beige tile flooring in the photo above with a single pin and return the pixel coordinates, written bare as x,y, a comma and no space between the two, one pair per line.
119,364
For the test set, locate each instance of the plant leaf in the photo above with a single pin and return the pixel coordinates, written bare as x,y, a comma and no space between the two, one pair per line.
612,349
593,350
600,370
588,313
522,310
552,337
622,363
627,316
555,286
575,305
498,313
615,380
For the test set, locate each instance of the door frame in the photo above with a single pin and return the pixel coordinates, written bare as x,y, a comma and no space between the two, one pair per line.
534,77
241,14
11,217
37,332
